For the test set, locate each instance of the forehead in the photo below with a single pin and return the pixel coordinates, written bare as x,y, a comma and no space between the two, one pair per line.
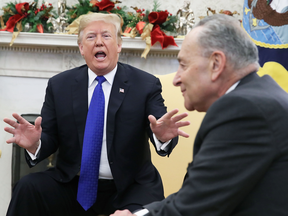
190,45
188,49
100,26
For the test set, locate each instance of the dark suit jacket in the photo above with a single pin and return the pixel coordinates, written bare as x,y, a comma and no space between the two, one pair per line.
240,165
64,115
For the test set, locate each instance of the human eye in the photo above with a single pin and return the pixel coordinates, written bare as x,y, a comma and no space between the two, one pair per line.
182,65
90,36
106,35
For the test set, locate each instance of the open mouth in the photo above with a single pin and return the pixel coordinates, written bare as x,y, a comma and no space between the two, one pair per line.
100,55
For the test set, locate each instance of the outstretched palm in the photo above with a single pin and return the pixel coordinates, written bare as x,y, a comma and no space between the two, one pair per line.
167,127
25,134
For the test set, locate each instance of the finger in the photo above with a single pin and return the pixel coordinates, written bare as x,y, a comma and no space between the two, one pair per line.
179,117
182,124
183,134
37,122
9,130
11,140
10,122
169,114
121,212
20,119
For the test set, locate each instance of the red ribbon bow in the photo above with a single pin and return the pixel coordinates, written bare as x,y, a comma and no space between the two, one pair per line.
158,17
22,9
164,40
105,5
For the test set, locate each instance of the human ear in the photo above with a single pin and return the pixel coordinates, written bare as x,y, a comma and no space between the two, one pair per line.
119,48
218,61
81,49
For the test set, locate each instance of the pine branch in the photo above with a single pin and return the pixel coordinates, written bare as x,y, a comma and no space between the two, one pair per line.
156,5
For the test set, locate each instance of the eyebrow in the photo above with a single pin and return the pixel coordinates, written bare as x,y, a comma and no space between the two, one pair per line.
106,31
103,32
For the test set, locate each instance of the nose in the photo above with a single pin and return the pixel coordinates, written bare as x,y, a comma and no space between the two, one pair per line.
98,42
177,79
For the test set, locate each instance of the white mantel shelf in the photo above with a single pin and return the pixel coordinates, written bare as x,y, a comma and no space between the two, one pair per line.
44,55
66,40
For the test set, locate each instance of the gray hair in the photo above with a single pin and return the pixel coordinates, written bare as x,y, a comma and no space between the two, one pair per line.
108,18
224,33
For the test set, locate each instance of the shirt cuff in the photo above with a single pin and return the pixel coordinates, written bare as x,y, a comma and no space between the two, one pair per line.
160,146
141,212
33,156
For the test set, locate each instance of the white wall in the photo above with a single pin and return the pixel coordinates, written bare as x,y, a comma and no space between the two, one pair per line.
32,90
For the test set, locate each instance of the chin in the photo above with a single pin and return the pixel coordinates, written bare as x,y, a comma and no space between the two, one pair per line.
101,67
189,107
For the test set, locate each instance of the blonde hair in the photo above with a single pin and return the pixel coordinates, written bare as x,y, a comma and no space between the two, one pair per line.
108,18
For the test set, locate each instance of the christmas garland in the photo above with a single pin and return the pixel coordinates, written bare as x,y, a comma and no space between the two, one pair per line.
32,15
151,26
26,17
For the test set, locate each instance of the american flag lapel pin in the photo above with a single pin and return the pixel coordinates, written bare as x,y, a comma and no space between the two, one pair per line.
121,90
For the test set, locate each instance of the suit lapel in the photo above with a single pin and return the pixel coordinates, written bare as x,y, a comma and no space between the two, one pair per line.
80,101
118,92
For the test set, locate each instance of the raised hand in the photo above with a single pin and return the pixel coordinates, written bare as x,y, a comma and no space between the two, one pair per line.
122,213
167,127
25,134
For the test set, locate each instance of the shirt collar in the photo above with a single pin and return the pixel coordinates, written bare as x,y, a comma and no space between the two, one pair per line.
109,76
232,87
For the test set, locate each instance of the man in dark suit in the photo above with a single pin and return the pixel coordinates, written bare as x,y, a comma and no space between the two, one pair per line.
127,177
240,157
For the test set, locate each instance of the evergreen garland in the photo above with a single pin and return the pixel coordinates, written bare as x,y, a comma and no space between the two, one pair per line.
33,17
36,16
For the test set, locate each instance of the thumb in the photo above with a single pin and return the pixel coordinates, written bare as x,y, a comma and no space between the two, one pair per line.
38,122
152,120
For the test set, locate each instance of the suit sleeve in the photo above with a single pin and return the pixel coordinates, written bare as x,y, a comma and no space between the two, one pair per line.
232,152
47,110
156,107
49,125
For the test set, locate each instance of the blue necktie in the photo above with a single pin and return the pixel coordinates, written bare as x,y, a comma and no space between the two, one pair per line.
92,144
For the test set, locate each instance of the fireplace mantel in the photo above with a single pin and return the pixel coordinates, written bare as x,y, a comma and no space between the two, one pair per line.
67,40
44,55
